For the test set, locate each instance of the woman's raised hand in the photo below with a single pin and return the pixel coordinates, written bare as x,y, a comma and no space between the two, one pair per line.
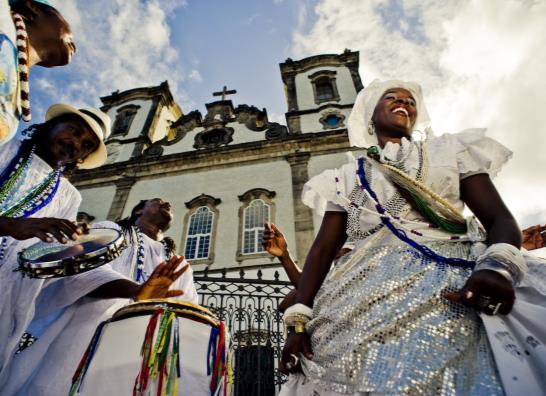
273,241
164,275
486,291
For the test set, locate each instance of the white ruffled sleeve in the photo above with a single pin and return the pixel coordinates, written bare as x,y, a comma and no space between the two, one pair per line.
477,153
327,190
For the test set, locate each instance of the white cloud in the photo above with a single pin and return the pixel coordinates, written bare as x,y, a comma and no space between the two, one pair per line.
481,63
194,75
122,44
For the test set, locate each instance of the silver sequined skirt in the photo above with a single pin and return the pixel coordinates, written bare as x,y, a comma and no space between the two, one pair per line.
381,325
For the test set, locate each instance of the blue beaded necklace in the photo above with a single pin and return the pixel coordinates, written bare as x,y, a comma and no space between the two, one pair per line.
139,253
12,180
401,234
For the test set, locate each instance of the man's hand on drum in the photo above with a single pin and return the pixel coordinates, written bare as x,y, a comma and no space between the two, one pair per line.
164,275
297,344
45,228
487,292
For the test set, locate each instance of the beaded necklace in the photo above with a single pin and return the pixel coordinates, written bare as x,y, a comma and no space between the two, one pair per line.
400,234
138,253
13,180
396,205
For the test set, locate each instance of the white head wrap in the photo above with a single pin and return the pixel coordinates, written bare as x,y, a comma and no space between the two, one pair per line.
365,105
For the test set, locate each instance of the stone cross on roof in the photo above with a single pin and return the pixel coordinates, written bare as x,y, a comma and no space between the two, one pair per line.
224,92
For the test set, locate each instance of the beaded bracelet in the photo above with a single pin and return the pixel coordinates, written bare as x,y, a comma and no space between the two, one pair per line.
297,313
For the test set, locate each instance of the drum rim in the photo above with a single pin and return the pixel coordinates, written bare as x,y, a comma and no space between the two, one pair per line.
151,305
116,243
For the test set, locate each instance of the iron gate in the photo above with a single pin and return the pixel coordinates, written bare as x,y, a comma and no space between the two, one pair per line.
248,307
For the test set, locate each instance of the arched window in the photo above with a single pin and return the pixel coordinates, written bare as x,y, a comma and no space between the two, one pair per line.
198,239
124,119
255,215
324,86
325,91
256,209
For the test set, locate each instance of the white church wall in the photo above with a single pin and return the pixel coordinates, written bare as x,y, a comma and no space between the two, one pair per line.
226,184
183,145
126,150
97,201
166,118
310,122
241,134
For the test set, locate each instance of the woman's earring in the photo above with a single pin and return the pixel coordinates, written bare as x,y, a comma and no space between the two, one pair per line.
371,128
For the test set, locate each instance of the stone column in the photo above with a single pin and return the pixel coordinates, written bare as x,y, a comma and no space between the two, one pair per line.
303,215
123,188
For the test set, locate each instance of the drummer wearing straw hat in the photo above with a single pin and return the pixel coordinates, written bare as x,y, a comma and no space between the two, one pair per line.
32,32
36,201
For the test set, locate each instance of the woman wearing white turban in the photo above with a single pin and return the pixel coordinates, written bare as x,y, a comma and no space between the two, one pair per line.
401,314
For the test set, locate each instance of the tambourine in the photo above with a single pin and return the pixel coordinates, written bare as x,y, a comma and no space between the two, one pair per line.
55,259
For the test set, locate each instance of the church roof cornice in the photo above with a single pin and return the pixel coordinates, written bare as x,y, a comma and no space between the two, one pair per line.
347,58
162,92
203,160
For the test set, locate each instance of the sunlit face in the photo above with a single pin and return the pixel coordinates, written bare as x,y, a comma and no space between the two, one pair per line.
159,211
69,141
395,111
51,37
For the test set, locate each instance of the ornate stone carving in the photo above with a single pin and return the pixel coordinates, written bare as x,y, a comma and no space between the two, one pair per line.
253,118
256,193
332,120
213,138
275,131
203,200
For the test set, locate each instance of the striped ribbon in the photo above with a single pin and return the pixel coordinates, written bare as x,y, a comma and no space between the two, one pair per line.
23,64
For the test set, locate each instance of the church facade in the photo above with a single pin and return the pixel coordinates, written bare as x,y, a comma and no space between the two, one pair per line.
229,170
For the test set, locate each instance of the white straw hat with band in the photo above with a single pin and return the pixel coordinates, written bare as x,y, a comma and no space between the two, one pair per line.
97,120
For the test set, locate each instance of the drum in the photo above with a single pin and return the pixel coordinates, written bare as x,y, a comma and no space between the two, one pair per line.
156,347
55,259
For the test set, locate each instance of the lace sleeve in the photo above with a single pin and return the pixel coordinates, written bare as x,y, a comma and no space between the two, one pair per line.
327,188
477,153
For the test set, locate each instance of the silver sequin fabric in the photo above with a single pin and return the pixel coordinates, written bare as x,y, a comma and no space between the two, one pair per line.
381,325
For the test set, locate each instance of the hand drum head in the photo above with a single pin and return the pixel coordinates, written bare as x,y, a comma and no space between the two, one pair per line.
55,259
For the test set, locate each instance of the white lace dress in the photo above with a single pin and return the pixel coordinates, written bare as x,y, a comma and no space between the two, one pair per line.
380,324
65,340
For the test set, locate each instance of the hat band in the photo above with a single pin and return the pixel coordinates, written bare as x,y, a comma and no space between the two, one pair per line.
97,119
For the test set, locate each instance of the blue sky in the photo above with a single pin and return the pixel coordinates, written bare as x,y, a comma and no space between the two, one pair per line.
480,62
239,45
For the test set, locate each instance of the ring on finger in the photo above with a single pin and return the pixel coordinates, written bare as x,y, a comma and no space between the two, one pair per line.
494,308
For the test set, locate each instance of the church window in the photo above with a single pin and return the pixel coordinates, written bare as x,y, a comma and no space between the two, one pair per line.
200,229
258,207
324,86
199,234
332,120
324,90
255,215
124,118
